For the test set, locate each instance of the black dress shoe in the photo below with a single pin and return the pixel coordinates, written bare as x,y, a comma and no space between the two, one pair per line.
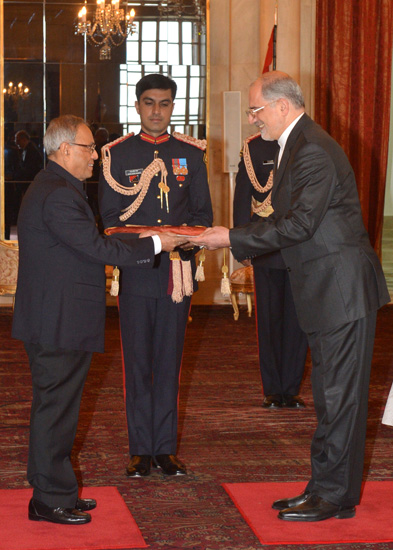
139,466
285,503
316,508
85,504
272,402
293,402
38,511
170,465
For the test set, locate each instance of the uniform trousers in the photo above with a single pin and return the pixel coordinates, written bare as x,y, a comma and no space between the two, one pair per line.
281,342
341,364
152,333
58,378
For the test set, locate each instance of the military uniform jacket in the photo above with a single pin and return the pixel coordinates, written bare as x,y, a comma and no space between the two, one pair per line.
189,199
60,297
262,154
335,275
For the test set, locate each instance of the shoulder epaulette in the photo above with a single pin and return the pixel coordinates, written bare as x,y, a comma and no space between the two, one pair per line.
247,140
115,142
200,143
251,138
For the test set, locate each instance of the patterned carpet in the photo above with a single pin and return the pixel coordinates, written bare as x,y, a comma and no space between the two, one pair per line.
225,434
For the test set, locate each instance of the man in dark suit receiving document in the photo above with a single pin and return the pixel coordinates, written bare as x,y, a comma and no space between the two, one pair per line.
60,309
337,284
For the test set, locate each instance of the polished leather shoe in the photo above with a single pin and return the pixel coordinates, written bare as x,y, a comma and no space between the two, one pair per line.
293,402
272,402
170,465
285,503
85,504
38,511
139,466
315,508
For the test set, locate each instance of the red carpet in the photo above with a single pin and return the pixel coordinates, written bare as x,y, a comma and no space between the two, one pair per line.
373,521
112,526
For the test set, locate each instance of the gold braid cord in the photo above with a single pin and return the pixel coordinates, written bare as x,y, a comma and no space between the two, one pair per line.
142,187
181,277
200,143
250,169
264,208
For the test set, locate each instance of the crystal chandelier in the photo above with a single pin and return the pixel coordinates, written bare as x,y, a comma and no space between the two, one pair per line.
15,92
194,9
110,27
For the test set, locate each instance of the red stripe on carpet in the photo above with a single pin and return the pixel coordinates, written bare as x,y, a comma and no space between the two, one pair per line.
112,525
373,521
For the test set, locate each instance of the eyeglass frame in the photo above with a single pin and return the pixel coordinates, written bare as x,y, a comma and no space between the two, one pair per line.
92,147
252,112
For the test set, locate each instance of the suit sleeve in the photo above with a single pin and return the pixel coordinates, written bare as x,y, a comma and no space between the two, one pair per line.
71,222
312,180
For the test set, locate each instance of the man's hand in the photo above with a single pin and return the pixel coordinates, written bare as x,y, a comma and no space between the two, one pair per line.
169,241
212,238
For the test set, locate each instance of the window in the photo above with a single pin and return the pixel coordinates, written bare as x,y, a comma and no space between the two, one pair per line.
173,48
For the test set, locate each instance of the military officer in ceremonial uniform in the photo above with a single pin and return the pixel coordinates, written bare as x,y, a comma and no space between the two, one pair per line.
155,178
282,344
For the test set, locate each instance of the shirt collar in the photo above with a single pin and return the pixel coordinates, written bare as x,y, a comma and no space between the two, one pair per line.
150,139
52,166
285,135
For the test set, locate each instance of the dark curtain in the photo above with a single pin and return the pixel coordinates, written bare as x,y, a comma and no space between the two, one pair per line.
352,99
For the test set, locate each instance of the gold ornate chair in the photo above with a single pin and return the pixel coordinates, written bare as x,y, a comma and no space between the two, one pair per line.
9,256
242,281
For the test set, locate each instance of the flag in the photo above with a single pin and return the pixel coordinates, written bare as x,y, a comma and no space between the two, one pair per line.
270,54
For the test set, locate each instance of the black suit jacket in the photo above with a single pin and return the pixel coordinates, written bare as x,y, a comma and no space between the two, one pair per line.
60,297
317,224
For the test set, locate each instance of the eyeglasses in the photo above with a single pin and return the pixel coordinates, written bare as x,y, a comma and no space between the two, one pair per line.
252,112
92,147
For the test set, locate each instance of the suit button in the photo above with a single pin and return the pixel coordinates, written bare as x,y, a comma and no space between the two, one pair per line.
288,269
159,221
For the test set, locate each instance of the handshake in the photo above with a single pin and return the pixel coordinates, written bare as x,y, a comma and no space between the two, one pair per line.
186,237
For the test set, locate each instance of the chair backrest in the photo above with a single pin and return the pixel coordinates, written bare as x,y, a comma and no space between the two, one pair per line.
9,256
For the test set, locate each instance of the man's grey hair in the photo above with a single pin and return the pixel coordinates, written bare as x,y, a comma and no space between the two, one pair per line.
60,130
274,87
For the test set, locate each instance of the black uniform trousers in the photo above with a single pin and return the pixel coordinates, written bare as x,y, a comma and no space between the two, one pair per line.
152,334
340,377
282,344
58,378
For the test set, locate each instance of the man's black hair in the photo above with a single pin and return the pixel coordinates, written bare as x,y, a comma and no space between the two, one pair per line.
155,81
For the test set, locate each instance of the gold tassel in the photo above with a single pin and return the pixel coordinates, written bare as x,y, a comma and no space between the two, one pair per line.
177,292
188,286
200,272
225,285
114,291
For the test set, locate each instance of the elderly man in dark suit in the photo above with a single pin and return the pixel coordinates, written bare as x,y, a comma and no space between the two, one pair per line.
337,284
60,309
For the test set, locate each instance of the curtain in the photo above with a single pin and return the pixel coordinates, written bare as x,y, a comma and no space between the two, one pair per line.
354,41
